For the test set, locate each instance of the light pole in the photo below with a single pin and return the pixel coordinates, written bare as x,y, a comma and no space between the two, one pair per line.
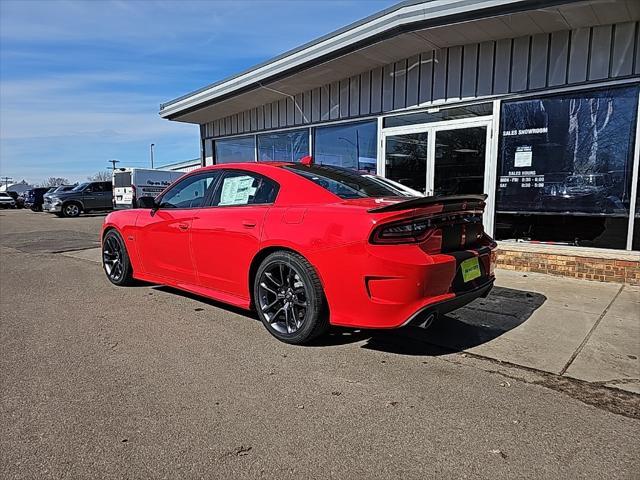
151,152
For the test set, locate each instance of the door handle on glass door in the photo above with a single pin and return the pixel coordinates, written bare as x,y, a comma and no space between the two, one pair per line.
248,223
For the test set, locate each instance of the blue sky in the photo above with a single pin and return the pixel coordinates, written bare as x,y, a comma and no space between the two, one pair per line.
81,81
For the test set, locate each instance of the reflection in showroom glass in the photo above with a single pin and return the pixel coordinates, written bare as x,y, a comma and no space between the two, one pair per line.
283,146
565,168
238,149
351,145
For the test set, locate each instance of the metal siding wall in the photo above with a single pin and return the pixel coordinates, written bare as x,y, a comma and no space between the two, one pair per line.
315,105
344,98
334,101
519,64
426,77
306,102
400,85
267,116
387,88
439,89
454,73
354,96
281,121
579,55
261,117
538,61
622,51
558,55
502,66
254,119
247,121
600,52
469,70
325,102
413,81
485,68
376,90
291,109
473,70
298,109
365,93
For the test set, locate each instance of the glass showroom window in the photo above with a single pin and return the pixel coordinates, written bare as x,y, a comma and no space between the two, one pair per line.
565,168
238,149
283,146
350,145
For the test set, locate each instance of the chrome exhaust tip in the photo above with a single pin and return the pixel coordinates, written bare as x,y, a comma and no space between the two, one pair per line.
427,321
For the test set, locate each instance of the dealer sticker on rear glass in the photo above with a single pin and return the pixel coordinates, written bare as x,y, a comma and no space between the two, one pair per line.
470,269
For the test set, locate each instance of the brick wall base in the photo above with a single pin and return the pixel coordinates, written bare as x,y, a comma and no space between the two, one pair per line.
605,268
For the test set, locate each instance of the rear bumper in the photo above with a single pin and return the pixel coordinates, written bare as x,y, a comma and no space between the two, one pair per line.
391,287
446,306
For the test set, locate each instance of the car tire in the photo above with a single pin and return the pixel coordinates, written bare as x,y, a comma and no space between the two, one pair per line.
71,210
289,298
115,260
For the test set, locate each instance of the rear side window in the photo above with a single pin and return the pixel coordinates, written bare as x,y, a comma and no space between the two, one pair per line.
244,188
346,183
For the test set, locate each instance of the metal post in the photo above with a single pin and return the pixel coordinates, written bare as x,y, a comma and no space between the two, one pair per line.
151,151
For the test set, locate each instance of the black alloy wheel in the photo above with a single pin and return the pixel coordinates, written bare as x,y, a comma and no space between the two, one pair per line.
289,298
115,260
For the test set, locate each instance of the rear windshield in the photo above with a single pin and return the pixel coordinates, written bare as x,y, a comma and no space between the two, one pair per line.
122,179
347,183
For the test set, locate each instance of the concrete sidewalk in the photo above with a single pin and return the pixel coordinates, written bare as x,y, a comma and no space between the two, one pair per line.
577,328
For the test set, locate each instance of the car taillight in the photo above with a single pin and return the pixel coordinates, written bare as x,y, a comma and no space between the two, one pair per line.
405,231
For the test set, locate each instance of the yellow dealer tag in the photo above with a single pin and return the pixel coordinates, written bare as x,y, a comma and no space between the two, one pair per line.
470,269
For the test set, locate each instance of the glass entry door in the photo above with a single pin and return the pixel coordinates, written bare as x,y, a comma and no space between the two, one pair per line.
444,159
406,159
459,161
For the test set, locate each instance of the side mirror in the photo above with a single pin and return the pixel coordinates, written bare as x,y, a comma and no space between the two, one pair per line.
147,202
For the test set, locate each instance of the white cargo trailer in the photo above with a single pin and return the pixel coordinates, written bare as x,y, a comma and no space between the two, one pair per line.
129,184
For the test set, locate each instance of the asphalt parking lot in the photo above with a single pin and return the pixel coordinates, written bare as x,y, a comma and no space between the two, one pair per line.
148,382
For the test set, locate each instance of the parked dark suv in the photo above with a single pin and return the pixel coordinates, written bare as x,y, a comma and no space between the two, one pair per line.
34,198
86,197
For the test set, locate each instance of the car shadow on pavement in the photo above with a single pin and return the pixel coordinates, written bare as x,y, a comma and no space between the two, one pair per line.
479,322
475,324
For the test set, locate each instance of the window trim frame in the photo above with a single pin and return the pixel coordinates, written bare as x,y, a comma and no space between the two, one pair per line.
206,199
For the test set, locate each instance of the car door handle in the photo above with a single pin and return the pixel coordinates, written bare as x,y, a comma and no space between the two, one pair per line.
183,226
248,223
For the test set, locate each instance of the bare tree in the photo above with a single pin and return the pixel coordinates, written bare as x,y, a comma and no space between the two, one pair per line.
104,176
55,181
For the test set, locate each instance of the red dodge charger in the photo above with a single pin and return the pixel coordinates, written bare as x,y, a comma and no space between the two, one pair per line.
306,246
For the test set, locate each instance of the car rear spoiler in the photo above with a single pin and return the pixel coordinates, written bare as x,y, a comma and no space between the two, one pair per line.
449,202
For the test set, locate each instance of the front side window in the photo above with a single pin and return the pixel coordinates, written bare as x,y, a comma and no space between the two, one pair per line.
283,146
345,183
190,192
235,150
243,188
565,167
349,145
